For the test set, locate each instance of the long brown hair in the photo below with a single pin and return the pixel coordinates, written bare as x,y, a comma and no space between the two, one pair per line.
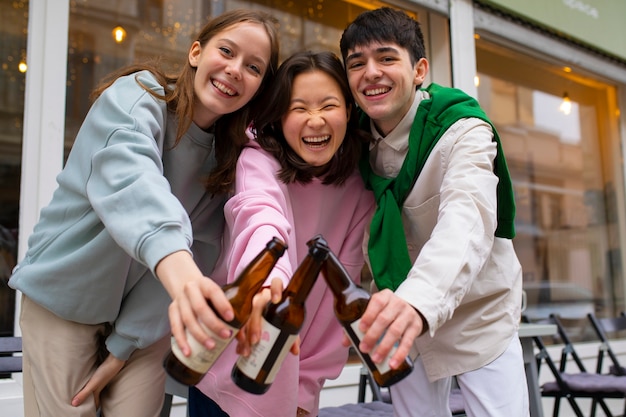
180,96
268,122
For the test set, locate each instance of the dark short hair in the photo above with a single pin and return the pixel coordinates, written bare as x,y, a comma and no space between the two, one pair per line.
268,127
384,25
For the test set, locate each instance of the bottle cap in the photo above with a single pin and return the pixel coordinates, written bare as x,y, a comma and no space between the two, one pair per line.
318,248
276,242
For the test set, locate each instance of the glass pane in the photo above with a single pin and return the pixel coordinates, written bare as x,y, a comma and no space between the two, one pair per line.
105,36
12,81
556,129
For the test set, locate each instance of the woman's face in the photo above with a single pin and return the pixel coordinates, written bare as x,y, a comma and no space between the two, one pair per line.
315,123
230,70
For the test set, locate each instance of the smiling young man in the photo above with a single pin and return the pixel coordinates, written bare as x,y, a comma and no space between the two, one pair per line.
439,245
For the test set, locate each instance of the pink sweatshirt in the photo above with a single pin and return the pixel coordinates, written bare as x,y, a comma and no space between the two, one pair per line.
264,207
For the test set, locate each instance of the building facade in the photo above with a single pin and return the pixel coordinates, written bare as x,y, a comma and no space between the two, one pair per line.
550,75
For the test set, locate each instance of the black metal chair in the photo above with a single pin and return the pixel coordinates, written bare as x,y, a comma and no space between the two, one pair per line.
9,362
580,383
172,388
457,404
609,328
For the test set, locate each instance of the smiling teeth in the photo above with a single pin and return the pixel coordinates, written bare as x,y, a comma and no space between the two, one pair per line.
223,88
377,91
316,139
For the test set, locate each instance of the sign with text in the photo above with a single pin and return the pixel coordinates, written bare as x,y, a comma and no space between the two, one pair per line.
597,23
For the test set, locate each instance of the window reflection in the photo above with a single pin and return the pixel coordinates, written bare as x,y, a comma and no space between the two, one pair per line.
12,83
561,168
549,114
164,29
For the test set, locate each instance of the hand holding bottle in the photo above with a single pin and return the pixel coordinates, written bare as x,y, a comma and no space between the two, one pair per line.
351,305
190,290
281,325
189,369
250,334
389,323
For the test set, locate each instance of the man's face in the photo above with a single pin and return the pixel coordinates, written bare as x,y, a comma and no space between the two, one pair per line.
383,81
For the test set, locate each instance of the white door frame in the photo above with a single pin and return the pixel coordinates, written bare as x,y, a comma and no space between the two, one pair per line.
42,141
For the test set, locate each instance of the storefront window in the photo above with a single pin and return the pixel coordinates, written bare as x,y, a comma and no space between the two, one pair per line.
558,129
12,81
164,29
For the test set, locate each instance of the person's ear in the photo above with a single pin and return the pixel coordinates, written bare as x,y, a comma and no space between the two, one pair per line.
348,112
421,70
194,54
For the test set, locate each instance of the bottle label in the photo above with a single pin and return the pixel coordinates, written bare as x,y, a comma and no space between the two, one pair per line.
273,344
383,367
202,358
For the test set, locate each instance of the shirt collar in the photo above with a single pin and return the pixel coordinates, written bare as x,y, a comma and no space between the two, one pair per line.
397,138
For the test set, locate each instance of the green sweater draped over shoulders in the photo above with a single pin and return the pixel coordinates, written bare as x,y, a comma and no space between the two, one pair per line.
387,246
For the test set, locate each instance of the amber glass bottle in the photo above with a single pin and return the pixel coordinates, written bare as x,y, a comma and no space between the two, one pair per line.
350,303
281,324
190,370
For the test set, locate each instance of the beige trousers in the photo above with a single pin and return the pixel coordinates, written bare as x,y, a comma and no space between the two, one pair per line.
60,356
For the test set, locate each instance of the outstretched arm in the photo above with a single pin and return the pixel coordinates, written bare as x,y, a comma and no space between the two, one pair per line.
190,291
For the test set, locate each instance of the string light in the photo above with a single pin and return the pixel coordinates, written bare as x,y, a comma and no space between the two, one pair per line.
119,34
22,67
566,105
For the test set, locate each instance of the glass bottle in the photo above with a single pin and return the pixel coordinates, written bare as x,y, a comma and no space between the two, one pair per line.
281,324
350,303
190,370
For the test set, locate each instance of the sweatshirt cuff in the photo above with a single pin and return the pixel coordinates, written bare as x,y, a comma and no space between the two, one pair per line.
161,244
119,346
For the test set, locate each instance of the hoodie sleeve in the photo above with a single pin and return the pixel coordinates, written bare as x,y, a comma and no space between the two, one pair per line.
258,211
125,182
143,318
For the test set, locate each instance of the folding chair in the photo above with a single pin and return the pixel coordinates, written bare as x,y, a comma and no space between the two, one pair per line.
172,388
457,404
578,384
605,328
378,394
9,363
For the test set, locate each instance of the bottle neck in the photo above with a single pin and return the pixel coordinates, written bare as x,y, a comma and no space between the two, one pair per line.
303,280
256,272
251,279
336,275
254,275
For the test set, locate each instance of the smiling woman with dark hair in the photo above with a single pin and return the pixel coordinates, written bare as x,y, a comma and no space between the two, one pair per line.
297,178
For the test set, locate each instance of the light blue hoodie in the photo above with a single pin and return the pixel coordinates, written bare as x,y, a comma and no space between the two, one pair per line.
126,199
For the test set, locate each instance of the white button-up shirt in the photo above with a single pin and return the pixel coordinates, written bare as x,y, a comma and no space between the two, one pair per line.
466,282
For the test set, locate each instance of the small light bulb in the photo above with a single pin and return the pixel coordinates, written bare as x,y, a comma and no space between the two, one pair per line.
566,105
22,67
119,34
